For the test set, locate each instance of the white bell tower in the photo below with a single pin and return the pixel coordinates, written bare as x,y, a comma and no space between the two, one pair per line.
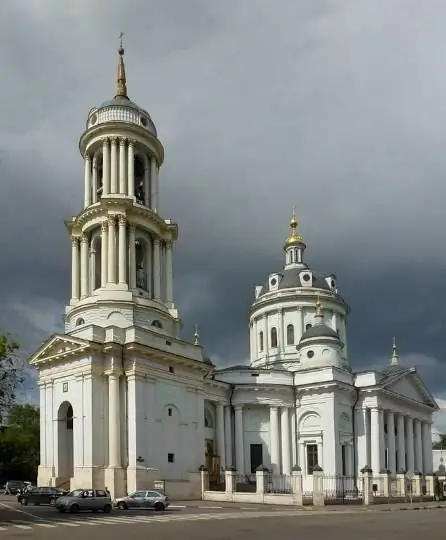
121,246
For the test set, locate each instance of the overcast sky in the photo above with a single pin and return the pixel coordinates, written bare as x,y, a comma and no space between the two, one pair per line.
336,107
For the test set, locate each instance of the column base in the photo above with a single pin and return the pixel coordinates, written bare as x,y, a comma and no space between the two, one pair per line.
114,480
139,478
45,475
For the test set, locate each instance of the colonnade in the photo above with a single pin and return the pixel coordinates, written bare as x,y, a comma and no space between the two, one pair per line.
118,260
118,172
396,442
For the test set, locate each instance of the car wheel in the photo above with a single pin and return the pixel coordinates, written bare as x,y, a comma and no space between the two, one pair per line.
122,506
159,506
61,510
107,509
52,502
74,508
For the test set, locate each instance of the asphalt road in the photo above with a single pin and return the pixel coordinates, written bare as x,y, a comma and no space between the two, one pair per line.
244,525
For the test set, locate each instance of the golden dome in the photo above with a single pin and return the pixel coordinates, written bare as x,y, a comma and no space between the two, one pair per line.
294,238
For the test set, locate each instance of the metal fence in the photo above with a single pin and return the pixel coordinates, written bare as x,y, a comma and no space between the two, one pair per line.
279,484
245,483
339,489
217,482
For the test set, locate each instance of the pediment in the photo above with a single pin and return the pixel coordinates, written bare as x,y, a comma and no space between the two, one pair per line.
59,346
410,386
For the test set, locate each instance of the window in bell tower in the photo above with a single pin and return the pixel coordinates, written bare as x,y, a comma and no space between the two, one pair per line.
139,180
273,337
290,334
141,264
261,341
100,176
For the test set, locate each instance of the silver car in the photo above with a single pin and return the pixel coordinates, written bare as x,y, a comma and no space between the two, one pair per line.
143,499
85,499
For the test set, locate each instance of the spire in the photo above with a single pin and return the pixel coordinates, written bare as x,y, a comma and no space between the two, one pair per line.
318,315
294,239
121,82
394,361
196,336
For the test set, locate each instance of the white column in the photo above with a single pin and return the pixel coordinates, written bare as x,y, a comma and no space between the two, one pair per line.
114,165
92,272
349,459
364,454
105,167
265,336
375,440
391,441
153,184
75,268
239,443
409,445
286,443
146,181
401,444
228,436
95,180
111,249
382,440
274,439
300,324
87,186
84,266
122,267
104,253
122,167
43,425
132,257
294,457
156,272
221,434
418,447
320,454
131,168
427,448
114,421
169,273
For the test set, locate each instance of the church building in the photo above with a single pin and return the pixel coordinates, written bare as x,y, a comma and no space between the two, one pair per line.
121,392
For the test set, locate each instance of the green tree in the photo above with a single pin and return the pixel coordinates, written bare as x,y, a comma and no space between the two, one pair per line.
441,444
10,373
20,444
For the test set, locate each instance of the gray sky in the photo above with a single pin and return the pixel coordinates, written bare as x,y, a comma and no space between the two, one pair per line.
336,107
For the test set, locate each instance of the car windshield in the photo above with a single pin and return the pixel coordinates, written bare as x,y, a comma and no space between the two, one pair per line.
75,493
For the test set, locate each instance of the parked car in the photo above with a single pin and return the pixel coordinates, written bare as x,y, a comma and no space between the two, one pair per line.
40,495
12,487
84,499
143,499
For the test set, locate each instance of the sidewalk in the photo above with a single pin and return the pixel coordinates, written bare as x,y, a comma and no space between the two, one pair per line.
344,508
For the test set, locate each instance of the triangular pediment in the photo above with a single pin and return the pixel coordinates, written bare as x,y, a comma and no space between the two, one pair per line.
411,386
58,346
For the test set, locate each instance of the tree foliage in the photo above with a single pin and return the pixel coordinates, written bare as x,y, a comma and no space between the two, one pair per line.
20,444
10,374
441,444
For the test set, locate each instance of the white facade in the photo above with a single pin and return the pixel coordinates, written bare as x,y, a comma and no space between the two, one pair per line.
120,392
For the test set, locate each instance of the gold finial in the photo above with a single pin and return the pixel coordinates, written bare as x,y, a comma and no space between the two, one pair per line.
394,361
196,336
121,82
295,237
318,306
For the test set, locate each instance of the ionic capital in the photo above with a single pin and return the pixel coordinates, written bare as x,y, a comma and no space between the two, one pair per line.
84,239
111,221
132,229
104,226
114,140
105,141
122,220
122,141
87,156
132,142
169,244
156,242
75,241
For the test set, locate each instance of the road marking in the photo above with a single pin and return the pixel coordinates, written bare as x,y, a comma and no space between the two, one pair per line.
67,524
48,525
177,506
26,527
211,507
248,508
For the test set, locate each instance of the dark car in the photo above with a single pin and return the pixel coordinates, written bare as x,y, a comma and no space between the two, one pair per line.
41,495
12,487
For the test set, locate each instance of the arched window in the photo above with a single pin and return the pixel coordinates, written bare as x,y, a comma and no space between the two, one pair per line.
141,273
273,337
290,334
307,326
157,324
208,420
139,180
261,341
80,321
69,418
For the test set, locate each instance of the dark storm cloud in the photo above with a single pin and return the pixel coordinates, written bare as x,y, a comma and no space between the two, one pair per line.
336,107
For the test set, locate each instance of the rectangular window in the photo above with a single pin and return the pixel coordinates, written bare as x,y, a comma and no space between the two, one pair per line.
256,453
344,461
312,459
170,458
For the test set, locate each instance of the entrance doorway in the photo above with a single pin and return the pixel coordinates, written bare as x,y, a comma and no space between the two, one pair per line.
256,454
65,465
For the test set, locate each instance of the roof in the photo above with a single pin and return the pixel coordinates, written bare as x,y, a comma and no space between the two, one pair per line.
319,330
124,102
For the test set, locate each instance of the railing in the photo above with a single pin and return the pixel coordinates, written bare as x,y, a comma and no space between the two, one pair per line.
245,483
280,484
217,482
339,489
